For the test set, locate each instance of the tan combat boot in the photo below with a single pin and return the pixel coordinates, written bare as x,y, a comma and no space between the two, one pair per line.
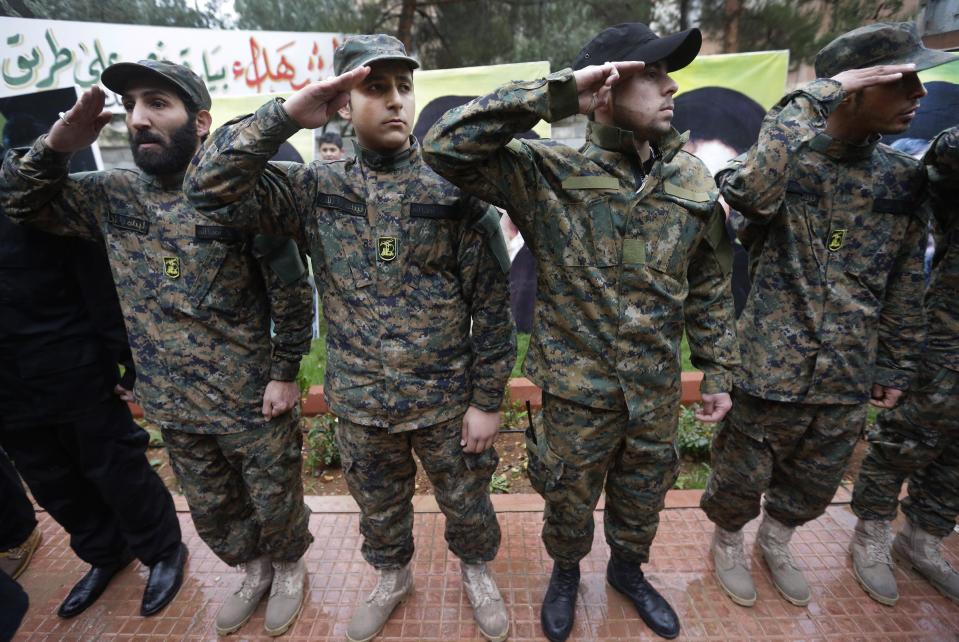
286,596
872,560
236,611
14,561
731,569
921,550
489,611
371,615
773,538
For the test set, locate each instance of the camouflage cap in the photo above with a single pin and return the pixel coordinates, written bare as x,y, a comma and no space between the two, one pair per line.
117,77
358,51
882,43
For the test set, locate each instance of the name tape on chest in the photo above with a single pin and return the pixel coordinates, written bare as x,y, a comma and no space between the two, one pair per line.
590,182
217,233
434,211
337,202
127,222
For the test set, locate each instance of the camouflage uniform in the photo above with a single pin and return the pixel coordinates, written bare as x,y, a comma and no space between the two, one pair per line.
404,267
198,314
919,439
627,257
836,238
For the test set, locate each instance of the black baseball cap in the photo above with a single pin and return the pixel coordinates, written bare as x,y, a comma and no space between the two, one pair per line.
117,77
636,41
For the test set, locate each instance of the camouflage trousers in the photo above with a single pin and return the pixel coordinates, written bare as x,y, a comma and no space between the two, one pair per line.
381,474
796,453
575,449
918,440
245,489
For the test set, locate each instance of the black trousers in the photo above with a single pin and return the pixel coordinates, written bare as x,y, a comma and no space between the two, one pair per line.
93,477
16,512
13,606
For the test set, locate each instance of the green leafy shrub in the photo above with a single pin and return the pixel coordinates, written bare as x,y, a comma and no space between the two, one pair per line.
693,437
321,448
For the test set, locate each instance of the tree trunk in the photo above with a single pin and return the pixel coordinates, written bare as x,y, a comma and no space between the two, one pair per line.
404,31
732,11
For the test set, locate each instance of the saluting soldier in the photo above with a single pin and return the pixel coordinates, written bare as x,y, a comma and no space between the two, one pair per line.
197,303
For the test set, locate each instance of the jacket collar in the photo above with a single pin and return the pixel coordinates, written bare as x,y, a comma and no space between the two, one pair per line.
841,150
614,139
388,162
166,182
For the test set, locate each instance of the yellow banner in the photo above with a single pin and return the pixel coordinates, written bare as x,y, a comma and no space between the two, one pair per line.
761,75
229,107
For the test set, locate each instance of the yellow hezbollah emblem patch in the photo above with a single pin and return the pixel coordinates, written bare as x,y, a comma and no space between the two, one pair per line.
836,238
386,248
171,266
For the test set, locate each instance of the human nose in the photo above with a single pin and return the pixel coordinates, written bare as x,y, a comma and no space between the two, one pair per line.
139,117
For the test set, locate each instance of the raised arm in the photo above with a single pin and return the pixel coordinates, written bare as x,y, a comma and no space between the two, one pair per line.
473,146
756,183
35,186
231,178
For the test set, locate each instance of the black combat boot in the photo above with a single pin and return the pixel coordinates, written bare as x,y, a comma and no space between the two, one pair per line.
559,603
627,578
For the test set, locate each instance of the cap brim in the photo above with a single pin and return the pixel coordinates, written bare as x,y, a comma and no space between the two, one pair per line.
117,77
677,49
929,58
412,63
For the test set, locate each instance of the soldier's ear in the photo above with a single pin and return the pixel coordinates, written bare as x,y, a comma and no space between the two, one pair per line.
345,112
203,122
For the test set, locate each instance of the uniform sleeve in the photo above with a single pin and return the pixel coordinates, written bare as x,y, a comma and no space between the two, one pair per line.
902,318
233,181
486,291
36,188
473,146
756,185
291,303
708,309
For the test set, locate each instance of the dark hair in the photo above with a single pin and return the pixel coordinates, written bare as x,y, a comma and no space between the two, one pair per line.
331,138
718,113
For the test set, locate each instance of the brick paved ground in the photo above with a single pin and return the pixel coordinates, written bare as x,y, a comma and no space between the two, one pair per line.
439,611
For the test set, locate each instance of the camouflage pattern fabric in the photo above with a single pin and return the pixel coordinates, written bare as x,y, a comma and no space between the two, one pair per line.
918,440
401,268
380,471
626,258
574,448
245,489
836,241
880,43
193,295
795,453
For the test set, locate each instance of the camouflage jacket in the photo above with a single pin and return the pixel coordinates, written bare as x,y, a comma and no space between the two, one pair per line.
402,269
942,298
625,261
836,238
196,305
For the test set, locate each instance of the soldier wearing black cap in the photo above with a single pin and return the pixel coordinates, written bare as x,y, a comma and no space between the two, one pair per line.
412,273
198,302
631,251
834,318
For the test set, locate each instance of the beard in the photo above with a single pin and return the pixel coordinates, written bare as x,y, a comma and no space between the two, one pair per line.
170,158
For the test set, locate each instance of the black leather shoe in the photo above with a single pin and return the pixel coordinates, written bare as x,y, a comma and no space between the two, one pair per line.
628,579
559,604
90,587
165,579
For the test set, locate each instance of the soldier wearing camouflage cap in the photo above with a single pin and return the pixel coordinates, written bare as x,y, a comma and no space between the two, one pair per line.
198,299
834,319
631,252
405,263
919,439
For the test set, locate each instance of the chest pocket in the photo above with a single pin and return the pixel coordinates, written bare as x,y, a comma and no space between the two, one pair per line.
582,233
671,222
343,233
432,232
128,239
223,271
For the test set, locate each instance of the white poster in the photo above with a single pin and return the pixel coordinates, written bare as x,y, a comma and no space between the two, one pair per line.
39,55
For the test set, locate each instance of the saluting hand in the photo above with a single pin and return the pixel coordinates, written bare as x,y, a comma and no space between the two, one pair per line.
314,105
595,83
79,127
853,80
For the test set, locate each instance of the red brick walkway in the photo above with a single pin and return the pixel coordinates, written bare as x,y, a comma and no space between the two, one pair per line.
680,567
